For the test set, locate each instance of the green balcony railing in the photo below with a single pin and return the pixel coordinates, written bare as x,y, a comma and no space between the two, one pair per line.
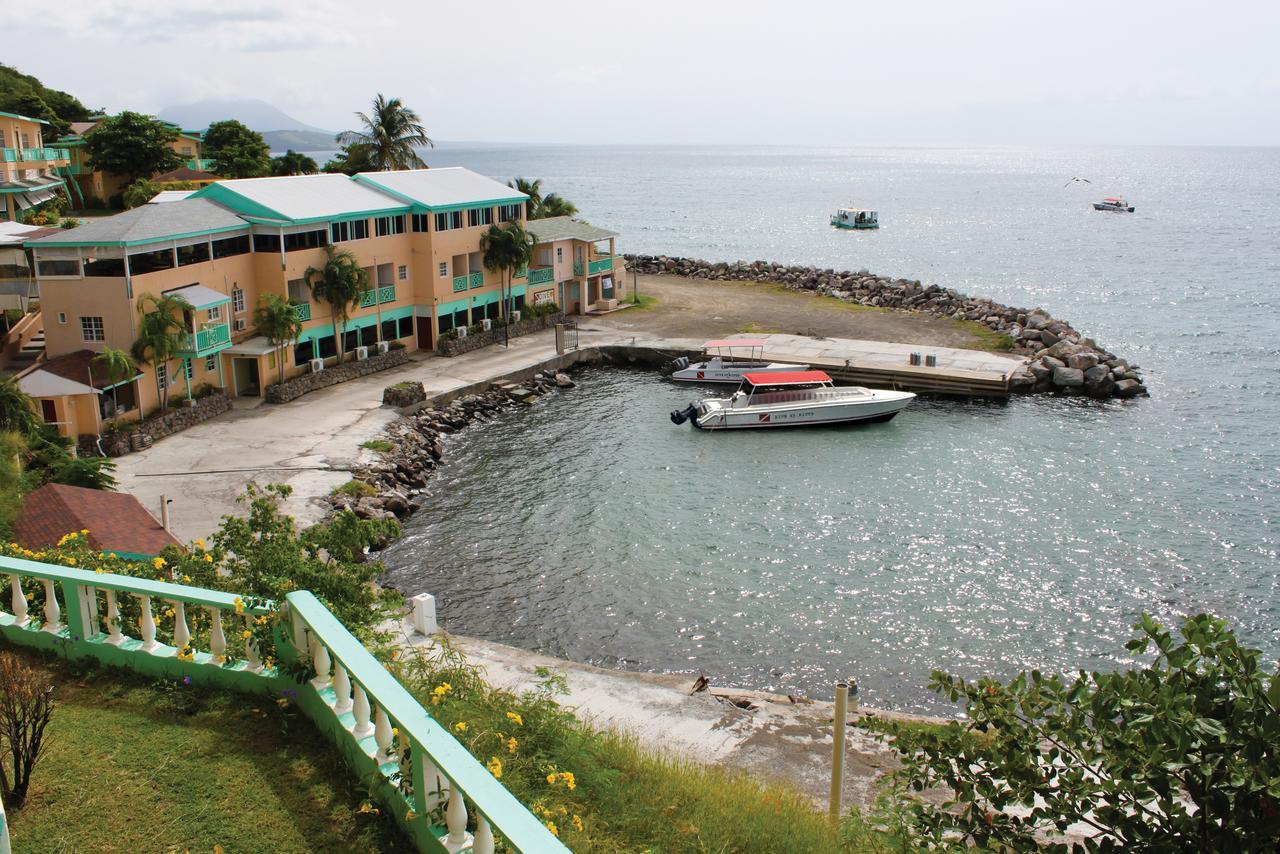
377,296
459,283
386,293
20,155
205,341
200,164
577,268
541,275
477,280
603,265
368,298
302,311
421,775
522,271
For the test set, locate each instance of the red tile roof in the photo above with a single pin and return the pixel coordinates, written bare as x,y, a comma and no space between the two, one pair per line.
115,520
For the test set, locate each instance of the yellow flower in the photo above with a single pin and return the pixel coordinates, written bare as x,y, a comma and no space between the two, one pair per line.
460,726
246,634
551,779
84,531
435,701
569,781
168,612
395,730
262,621
577,823
186,579
495,767
239,603
511,744
513,716
208,558
551,826
158,563
198,543
442,689
410,815
71,561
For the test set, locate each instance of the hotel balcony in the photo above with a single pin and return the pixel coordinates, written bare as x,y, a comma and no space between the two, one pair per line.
32,157
205,342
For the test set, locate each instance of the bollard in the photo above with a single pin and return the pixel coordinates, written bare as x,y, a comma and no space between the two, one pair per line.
837,748
164,512
424,614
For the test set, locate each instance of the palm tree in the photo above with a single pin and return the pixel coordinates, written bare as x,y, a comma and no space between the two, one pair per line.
338,282
553,204
158,336
531,188
506,249
391,133
278,322
293,163
17,410
117,367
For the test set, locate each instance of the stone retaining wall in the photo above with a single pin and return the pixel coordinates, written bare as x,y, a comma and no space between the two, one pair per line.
298,386
138,435
1032,332
458,346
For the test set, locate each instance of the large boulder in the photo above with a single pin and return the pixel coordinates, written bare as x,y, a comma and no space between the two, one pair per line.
1068,377
1083,360
1050,362
1095,374
1128,388
1049,338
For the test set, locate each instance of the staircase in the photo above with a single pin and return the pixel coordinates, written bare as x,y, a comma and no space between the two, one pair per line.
24,346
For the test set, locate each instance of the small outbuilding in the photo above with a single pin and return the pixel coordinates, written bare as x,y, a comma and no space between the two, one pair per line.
116,522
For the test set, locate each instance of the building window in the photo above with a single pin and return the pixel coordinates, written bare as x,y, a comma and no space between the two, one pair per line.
215,312
356,229
62,317
479,216
67,267
91,329
266,243
448,221
162,377
193,254
298,291
237,300
420,222
508,213
229,246
303,240
108,268
559,254
444,269
385,226
402,273
210,363
406,327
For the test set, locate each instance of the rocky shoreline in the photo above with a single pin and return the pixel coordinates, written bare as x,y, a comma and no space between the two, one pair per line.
1060,359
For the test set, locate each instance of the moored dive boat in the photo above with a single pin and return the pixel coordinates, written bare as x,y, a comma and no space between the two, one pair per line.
1116,205
726,361
855,218
792,399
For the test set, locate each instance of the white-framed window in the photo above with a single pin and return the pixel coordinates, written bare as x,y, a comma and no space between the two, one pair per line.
402,273
385,226
448,221
215,312
162,377
508,213
62,317
444,269
92,330
211,363
356,229
559,254
479,216
420,222
237,300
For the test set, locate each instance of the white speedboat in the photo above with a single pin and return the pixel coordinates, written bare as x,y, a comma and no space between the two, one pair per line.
792,399
1113,205
726,361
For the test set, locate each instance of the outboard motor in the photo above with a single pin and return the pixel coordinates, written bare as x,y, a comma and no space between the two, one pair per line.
679,416
678,364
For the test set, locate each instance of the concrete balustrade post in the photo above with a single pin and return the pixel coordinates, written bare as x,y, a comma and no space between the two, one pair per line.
383,736
360,708
251,648
484,837
320,659
181,632
19,601
424,614
52,613
217,637
114,635
455,818
148,625
404,755
88,603
341,690
299,633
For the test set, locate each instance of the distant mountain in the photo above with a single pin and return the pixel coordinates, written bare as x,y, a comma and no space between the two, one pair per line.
256,114
299,140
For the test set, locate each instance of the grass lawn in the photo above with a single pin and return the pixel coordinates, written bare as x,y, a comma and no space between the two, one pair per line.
133,765
984,338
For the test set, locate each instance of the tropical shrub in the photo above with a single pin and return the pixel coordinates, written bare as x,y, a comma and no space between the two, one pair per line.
26,707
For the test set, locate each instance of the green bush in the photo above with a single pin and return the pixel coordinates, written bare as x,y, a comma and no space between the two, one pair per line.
355,488
382,446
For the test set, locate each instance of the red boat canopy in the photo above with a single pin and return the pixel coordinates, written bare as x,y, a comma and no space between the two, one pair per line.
786,377
1113,200
735,342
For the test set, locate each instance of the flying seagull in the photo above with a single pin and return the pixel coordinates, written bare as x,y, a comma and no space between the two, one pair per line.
1073,180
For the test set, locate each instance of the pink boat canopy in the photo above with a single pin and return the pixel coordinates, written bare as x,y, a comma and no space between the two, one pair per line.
786,377
734,342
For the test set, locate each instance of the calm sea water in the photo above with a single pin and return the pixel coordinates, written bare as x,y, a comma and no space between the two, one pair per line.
972,537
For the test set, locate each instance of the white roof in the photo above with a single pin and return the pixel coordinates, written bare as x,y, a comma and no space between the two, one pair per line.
40,383
16,232
169,196
443,187
258,345
302,197
199,296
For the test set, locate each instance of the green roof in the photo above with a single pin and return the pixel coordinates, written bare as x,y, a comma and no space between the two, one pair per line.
150,224
566,228
24,118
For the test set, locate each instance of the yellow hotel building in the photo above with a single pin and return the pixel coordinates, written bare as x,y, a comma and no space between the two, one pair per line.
29,171
417,233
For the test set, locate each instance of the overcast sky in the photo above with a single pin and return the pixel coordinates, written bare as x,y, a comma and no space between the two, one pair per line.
855,72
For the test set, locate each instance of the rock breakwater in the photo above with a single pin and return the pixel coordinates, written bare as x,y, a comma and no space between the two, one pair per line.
1059,358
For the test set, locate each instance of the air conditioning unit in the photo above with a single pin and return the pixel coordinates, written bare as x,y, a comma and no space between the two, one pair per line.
317,365
362,353
239,325
515,316
462,331
486,324
383,346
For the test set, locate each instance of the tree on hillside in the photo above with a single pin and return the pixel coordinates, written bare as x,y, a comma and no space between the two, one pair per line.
133,146
139,193
351,159
1179,754
506,249
236,151
391,133
338,283
158,337
293,163
278,323
27,96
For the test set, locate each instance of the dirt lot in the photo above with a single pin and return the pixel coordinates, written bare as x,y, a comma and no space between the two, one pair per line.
692,308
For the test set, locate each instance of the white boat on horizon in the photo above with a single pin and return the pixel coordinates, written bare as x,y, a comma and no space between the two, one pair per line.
721,364
792,399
